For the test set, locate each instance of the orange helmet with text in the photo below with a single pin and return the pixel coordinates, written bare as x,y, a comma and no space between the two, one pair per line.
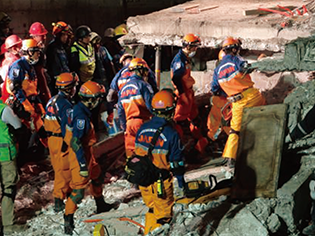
191,40
163,102
137,63
67,80
91,89
230,42
61,27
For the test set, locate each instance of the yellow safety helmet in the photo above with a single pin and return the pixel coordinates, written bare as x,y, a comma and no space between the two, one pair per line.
121,30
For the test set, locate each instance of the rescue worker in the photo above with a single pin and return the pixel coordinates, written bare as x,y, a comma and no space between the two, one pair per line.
39,33
134,102
82,163
216,121
167,155
112,44
122,77
104,70
186,112
23,89
13,45
103,74
5,30
57,55
233,78
10,126
82,57
58,110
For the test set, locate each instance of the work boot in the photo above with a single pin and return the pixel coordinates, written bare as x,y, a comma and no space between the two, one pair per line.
59,205
309,230
9,229
102,206
69,224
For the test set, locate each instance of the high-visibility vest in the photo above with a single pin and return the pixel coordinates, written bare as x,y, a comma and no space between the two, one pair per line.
7,147
87,61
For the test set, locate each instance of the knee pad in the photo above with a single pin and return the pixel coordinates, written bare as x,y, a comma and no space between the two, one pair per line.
77,195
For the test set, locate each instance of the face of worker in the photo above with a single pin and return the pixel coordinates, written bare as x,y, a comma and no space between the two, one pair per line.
64,38
41,40
192,51
86,40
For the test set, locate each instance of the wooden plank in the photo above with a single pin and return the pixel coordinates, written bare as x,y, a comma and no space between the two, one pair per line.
259,12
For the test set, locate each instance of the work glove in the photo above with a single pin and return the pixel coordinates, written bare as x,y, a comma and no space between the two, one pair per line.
110,118
84,170
179,192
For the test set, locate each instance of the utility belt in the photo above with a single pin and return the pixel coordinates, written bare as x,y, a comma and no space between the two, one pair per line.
49,134
238,96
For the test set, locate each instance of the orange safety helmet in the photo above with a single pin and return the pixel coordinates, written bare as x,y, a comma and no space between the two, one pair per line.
67,80
91,89
137,63
231,42
163,102
12,40
191,40
28,44
37,28
61,26
221,54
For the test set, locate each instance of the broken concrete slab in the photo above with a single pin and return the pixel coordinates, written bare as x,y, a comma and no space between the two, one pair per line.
261,141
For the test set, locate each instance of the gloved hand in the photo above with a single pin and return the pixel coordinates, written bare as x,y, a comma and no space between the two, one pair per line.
110,118
28,107
84,170
179,192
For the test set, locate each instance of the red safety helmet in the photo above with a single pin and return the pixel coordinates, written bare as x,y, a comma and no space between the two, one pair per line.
61,26
137,63
221,54
37,28
231,42
67,80
191,40
91,89
12,40
163,102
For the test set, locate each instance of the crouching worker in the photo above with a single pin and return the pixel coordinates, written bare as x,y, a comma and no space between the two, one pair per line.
10,126
82,163
57,111
159,138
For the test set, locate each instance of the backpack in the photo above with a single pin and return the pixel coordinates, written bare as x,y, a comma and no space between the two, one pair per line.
140,169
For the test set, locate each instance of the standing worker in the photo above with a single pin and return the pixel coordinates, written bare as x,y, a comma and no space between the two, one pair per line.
58,110
9,125
82,57
134,102
13,45
232,77
23,88
39,33
186,112
166,155
57,55
82,163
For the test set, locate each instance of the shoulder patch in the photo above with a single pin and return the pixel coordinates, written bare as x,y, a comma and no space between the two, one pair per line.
16,72
80,124
178,65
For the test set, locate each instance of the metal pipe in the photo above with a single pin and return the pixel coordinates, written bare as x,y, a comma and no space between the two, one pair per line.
158,65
